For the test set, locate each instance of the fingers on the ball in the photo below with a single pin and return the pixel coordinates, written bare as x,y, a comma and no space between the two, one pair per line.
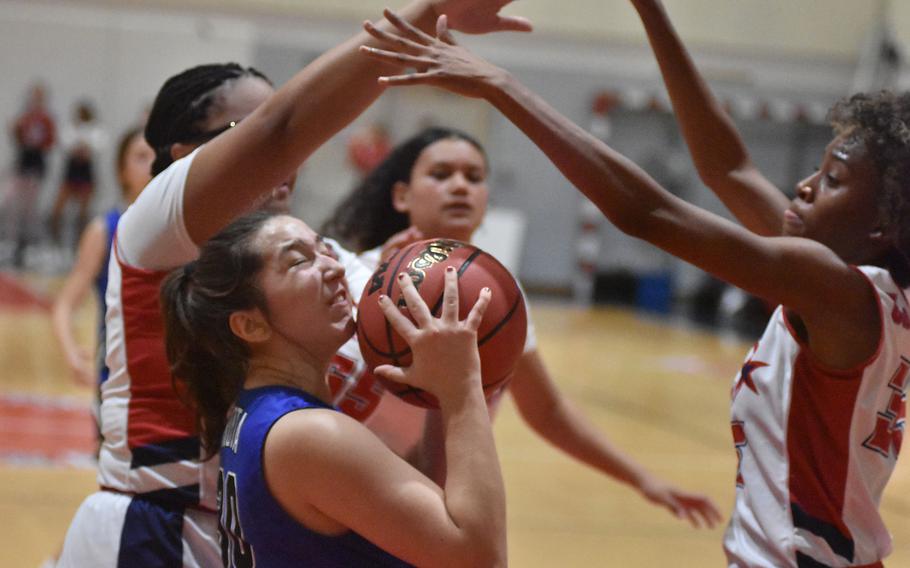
416,306
399,322
450,295
475,316
390,372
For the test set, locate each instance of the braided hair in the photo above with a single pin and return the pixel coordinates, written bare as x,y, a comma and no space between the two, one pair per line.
183,104
881,123
366,218
197,301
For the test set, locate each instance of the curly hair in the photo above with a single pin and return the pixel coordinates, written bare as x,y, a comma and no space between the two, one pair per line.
365,219
880,122
197,301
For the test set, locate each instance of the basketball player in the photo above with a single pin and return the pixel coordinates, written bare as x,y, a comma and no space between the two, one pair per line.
818,407
435,184
250,328
225,143
134,160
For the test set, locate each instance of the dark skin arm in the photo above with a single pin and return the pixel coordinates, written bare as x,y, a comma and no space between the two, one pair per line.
269,145
717,149
833,301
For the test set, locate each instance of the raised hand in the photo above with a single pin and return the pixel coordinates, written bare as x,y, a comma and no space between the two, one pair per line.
439,60
699,510
480,16
445,358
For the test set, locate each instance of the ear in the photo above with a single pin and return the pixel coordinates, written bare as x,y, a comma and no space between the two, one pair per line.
180,150
250,326
400,192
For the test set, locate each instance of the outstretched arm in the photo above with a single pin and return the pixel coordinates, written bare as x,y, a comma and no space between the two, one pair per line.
558,421
89,263
804,275
269,145
717,149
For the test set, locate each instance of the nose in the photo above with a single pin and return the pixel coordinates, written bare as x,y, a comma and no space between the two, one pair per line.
333,269
805,189
460,183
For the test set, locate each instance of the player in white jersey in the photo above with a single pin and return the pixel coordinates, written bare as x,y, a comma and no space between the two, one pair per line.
819,406
435,184
157,500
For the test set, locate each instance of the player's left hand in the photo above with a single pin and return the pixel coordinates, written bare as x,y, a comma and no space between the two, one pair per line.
480,16
698,509
439,60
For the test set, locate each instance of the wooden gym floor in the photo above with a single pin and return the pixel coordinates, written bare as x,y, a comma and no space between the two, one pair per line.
661,391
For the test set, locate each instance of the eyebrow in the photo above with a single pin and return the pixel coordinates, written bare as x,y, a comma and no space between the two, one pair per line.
300,244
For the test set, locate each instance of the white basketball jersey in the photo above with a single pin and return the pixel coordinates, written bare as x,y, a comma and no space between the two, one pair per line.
816,446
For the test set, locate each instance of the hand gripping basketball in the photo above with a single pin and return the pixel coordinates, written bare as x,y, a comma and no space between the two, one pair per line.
445,358
500,335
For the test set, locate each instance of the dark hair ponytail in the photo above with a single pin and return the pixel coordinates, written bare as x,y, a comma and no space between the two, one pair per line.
197,301
365,219
183,104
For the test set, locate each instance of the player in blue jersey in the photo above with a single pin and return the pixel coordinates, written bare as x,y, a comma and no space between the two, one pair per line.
134,160
251,327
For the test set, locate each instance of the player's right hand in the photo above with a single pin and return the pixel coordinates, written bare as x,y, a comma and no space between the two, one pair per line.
445,358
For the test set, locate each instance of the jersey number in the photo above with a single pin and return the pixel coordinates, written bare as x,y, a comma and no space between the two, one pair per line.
235,552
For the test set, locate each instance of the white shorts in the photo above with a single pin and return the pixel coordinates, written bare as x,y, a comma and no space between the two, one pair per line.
111,530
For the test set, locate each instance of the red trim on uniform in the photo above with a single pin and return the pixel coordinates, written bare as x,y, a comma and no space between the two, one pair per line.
156,414
818,438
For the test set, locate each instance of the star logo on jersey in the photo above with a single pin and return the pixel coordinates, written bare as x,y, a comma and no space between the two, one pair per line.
745,377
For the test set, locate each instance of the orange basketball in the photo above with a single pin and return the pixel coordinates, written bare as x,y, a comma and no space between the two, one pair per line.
500,338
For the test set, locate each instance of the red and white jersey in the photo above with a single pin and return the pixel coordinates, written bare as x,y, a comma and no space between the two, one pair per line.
150,441
816,446
359,394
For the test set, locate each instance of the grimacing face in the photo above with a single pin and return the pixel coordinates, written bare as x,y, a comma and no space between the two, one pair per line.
310,307
447,193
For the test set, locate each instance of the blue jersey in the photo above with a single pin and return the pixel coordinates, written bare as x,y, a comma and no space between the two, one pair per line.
254,528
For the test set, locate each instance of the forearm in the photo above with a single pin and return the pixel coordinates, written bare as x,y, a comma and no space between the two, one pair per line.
570,431
717,149
620,189
474,491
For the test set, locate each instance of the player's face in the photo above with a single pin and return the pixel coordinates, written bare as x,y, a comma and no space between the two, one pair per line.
238,101
447,193
135,170
836,205
305,289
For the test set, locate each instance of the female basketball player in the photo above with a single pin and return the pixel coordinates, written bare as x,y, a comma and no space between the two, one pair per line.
157,501
819,403
435,184
134,160
251,327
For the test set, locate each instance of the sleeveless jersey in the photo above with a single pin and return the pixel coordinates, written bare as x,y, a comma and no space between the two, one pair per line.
359,394
255,529
150,441
816,446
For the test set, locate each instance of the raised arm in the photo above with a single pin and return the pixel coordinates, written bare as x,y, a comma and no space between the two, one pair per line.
804,275
331,463
717,149
269,145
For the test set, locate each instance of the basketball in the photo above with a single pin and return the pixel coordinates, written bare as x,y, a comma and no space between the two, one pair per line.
500,338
